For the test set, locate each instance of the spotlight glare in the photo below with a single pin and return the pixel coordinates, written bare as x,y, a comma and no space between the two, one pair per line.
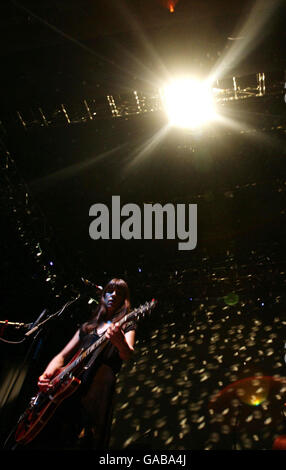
188,103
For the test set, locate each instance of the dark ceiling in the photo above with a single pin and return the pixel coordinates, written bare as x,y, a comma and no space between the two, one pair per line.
142,27
22,21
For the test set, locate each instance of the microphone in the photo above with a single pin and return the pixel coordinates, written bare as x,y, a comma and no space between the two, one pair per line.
88,283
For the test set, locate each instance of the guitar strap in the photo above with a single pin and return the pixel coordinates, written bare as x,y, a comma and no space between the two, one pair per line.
91,361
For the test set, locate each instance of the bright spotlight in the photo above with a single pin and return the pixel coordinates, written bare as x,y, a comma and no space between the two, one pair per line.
188,103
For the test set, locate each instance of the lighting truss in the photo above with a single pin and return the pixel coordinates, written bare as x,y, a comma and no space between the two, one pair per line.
136,103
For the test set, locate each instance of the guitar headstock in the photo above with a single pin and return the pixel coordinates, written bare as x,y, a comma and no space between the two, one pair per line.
144,309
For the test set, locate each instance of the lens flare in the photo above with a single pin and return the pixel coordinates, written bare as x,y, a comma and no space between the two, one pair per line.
251,391
188,103
231,298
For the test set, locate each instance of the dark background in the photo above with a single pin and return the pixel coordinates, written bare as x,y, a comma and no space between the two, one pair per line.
218,305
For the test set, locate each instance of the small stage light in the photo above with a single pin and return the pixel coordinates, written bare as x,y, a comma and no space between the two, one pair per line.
188,103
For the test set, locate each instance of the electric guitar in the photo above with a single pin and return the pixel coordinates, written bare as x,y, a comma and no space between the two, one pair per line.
44,404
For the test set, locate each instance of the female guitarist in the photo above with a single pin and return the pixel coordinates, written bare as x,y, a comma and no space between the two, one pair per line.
84,420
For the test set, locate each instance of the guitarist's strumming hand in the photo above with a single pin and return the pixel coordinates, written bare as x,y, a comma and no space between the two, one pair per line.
124,343
43,381
50,372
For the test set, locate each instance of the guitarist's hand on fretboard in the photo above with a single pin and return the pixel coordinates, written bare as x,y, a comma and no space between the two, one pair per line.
124,343
115,334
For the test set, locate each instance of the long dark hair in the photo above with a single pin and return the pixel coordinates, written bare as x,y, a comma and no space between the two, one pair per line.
100,313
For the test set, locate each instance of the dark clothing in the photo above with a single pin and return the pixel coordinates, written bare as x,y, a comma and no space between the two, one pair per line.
98,392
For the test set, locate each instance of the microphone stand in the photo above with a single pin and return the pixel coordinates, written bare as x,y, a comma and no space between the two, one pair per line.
38,325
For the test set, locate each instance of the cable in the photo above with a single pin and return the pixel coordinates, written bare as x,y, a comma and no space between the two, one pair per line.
12,342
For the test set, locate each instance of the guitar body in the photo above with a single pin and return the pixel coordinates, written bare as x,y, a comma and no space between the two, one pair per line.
42,408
